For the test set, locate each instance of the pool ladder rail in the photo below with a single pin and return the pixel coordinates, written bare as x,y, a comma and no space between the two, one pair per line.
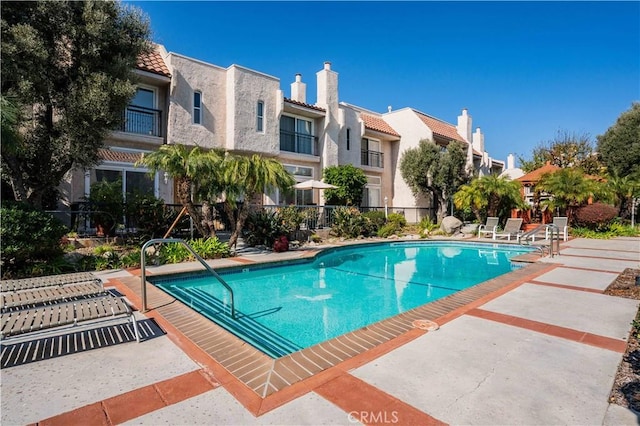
553,231
143,274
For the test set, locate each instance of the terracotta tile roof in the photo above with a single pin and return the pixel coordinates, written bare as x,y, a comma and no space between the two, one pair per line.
440,127
119,156
153,63
291,101
378,124
535,175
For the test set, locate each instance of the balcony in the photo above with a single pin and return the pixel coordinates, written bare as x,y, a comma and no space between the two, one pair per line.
300,143
142,121
372,159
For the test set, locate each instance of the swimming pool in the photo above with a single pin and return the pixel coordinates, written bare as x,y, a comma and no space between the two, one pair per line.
287,307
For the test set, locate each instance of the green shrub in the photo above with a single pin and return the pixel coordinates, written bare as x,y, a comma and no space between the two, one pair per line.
290,218
210,248
397,219
173,253
427,226
376,221
28,235
595,216
149,215
348,222
389,229
262,228
131,259
105,199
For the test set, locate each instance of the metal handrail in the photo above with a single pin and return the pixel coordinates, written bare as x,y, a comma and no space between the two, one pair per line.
554,236
143,274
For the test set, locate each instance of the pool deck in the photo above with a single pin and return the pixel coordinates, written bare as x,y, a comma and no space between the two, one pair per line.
538,346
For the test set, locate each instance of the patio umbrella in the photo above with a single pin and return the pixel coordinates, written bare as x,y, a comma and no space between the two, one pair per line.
314,184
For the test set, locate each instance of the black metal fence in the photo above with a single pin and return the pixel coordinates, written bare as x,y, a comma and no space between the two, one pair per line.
155,220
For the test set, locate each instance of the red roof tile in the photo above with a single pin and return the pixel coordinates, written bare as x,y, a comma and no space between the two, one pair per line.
153,63
291,101
119,156
378,124
440,127
535,175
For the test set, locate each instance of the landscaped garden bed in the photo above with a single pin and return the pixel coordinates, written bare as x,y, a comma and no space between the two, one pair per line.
626,387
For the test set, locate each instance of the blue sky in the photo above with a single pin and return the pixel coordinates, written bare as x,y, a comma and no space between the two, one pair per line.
524,70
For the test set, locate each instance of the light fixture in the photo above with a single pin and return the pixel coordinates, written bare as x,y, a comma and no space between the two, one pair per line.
166,178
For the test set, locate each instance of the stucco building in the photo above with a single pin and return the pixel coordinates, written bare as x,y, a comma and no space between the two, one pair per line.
183,100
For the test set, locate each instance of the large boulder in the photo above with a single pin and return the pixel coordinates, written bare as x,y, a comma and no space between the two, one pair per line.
451,225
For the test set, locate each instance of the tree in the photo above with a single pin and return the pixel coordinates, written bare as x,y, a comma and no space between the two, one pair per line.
569,189
350,181
68,67
489,195
195,172
620,144
567,149
246,177
430,170
621,190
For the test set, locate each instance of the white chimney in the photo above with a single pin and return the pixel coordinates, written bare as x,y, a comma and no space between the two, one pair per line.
327,65
389,108
478,140
511,161
464,125
299,90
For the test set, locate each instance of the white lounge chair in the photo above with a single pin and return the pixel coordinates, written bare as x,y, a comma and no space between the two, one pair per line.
511,229
562,223
489,227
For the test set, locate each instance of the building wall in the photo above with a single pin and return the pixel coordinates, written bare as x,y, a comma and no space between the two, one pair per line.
412,131
244,89
189,75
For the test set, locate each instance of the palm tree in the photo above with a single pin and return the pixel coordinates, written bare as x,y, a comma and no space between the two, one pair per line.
247,177
621,190
569,189
489,195
195,172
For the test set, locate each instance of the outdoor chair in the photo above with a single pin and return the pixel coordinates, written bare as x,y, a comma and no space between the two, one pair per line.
489,227
45,317
48,294
511,229
51,280
562,223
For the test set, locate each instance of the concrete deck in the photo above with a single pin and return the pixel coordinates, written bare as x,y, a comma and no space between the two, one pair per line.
542,350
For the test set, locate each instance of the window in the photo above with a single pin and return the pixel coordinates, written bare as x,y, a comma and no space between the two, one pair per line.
134,182
300,197
296,135
371,155
371,195
348,139
141,117
260,116
197,107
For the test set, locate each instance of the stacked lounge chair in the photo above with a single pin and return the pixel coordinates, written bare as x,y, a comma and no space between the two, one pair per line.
38,304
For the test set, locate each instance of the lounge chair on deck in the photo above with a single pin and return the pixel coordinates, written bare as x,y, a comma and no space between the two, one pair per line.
562,224
52,280
511,229
46,317
41,295
489,227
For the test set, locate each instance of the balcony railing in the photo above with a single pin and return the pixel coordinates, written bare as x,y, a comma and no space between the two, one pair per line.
300,143
372,159
142,121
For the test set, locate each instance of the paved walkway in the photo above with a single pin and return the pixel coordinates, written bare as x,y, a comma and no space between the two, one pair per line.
544,351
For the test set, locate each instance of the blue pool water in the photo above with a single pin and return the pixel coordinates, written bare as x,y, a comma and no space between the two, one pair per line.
284,308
